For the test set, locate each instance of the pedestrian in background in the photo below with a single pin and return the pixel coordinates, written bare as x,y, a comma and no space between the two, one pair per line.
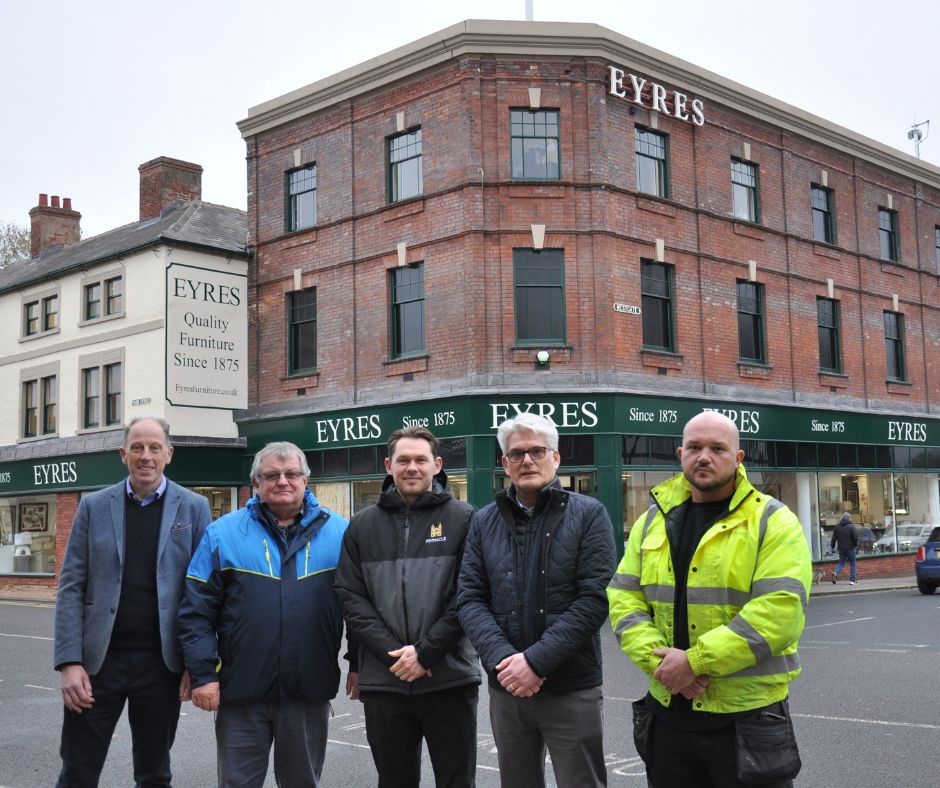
116,637
709,601
261,627
845,540
532,600
397,584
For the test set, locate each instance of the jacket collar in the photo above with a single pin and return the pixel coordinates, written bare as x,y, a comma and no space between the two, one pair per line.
677,490
439,493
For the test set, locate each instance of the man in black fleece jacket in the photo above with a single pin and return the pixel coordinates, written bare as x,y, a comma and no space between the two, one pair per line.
845,537
397,585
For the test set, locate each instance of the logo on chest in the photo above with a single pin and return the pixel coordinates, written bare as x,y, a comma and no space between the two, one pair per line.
437,534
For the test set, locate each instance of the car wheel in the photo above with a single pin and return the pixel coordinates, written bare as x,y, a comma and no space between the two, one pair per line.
925,588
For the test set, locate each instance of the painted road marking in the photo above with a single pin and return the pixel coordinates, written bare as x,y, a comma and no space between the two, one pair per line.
890,723
27,637
833,623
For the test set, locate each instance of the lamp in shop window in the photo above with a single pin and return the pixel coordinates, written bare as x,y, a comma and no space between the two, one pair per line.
23,542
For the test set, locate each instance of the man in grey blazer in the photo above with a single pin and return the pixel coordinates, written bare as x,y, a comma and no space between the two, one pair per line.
116,613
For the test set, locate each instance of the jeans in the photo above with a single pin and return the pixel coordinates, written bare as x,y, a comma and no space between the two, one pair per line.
846,556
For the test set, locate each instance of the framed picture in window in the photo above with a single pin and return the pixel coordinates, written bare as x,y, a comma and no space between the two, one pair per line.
33,516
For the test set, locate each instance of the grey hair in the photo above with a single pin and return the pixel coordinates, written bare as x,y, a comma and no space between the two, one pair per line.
531,422
283,450
162,422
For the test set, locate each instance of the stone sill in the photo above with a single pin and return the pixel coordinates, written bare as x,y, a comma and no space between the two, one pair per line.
654,206
749,230
899,387
295,382
661,358
402,366
751,369
407,207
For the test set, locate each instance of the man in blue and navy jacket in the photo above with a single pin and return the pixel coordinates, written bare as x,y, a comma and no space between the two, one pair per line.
261,628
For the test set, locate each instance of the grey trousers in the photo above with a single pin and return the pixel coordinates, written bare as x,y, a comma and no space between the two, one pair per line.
244,733
570,725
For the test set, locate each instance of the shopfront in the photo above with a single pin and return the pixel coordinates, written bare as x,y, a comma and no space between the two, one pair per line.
882,469
39,498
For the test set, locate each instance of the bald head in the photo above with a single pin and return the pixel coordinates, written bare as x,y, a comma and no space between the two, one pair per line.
713,420
710,455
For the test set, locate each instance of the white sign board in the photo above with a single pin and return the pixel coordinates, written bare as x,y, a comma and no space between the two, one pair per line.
206,337
627,309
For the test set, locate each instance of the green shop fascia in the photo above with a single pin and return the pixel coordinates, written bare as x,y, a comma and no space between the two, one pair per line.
617,434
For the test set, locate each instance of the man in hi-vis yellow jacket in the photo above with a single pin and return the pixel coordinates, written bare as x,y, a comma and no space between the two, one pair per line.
709,601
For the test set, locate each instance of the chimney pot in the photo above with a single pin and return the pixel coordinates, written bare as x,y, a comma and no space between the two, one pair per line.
43,200
55,200
67,203
52,225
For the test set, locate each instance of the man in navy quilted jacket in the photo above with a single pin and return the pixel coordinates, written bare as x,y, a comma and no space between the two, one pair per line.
532,599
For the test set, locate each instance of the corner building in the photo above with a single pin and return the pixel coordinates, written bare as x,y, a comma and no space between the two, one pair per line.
510,216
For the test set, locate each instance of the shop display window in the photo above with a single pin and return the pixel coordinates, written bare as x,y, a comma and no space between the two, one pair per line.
27,536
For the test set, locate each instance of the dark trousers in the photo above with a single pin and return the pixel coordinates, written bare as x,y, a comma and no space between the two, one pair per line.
696,759
446,719
569,724
140,678
244,733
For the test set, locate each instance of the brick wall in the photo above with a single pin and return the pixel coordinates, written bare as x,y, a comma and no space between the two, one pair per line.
472,215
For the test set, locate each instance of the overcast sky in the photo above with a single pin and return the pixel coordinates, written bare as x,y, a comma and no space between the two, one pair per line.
93,89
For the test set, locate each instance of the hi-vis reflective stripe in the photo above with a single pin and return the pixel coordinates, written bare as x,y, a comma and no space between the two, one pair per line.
624,582
629,621
726,597
659,593
773,505
770,585
650,514
759,646
773,666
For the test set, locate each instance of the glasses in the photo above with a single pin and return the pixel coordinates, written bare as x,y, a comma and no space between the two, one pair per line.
518,455
273,476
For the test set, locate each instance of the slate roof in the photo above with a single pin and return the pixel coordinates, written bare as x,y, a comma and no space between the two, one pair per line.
195,224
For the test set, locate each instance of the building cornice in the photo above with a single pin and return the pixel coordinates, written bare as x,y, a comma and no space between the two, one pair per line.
568,40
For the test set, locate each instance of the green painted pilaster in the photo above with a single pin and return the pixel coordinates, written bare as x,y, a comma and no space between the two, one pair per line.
480,452
609,485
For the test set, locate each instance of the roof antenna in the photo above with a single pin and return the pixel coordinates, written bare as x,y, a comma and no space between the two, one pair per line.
528,11
915,133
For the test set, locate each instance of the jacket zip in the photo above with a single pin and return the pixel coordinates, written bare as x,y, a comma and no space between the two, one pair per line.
267,557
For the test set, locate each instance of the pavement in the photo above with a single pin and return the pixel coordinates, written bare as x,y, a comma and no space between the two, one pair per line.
46,595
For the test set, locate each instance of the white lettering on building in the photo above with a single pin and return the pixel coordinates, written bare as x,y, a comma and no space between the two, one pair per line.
657,98
55,473
569,414
907,431
349,428
747,421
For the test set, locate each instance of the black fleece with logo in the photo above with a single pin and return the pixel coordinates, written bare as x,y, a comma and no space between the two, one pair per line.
397,585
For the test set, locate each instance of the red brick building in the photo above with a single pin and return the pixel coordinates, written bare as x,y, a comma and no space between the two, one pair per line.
530,215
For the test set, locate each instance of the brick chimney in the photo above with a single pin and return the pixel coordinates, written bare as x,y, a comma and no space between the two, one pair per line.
163,181
53,225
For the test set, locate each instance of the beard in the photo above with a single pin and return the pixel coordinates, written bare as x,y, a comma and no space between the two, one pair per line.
715,484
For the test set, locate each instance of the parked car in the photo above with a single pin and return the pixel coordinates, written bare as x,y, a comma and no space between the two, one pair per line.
910,536
866,538
927,563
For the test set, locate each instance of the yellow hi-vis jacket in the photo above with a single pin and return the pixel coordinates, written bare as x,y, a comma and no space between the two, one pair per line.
747,590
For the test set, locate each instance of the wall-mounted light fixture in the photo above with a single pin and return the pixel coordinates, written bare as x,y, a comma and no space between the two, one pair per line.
542,359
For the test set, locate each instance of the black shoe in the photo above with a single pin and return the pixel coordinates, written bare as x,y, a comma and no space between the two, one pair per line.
834,576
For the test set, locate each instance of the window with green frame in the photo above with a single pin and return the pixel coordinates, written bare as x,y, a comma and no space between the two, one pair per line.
936,242
302,331
534,143
539,276
751,321
744,196
656,284
405,177
894,346
407,310
302,198
824,226
888,234
827,319
651,162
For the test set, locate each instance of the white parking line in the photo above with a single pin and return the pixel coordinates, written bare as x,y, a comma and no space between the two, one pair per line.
890,723
833,623
28,637
885,650
36,686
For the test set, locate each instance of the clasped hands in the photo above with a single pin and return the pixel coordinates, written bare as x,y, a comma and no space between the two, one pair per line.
676,675
407,667
517,678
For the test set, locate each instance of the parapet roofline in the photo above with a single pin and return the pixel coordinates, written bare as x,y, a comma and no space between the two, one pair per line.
546,40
